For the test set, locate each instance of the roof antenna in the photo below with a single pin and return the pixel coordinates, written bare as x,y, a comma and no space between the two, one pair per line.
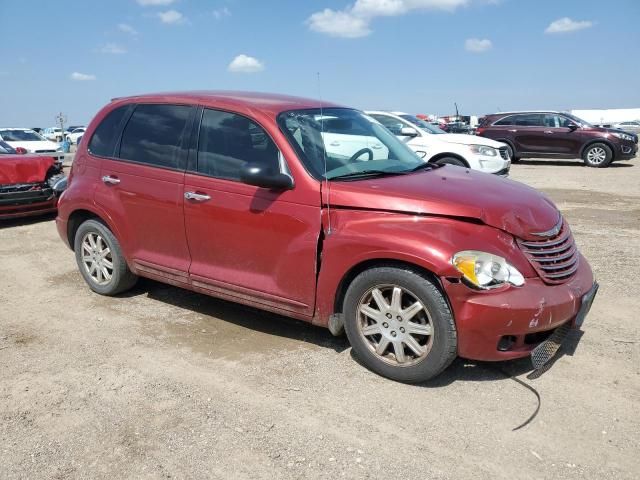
324,159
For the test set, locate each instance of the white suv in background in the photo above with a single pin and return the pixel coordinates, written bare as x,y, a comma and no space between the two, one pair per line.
437,146
31,141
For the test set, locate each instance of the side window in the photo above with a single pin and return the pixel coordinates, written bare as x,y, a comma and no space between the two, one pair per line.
103,140
228,141
552,121
155,135
529,120
393,125
505,121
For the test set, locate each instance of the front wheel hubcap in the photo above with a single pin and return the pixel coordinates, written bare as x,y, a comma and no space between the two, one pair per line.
597,155
395,325
97,259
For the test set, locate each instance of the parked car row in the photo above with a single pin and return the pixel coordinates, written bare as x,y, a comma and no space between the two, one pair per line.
318,212
29,141
55,134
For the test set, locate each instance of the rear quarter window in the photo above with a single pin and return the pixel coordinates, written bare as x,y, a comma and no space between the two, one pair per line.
103,141
505,121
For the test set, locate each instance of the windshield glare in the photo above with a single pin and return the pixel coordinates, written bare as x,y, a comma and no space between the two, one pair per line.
20,136
426,126
578,120
5,148
350,141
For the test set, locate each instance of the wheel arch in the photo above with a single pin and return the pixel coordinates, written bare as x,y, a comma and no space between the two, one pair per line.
605,141
439,156
79,216
368,264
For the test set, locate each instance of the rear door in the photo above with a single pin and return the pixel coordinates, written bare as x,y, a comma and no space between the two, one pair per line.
528,133
249,244
142,189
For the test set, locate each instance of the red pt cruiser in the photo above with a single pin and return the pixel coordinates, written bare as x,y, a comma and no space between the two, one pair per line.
244,197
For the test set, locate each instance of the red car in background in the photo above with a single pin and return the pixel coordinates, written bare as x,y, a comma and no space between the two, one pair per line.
245,197
29,184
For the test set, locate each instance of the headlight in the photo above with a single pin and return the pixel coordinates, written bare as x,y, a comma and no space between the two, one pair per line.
484,150
485,270
623,136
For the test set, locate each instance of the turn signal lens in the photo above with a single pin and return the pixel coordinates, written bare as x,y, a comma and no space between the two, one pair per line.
485,270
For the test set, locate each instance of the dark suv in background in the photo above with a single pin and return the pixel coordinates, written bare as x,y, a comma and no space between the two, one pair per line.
558,135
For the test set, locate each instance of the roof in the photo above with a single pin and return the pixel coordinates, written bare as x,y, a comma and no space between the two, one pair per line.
525,111
274,103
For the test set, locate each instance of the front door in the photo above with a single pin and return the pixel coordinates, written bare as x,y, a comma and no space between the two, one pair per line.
142,188
249,244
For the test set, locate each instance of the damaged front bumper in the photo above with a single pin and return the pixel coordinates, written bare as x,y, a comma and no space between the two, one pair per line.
510,323
27,199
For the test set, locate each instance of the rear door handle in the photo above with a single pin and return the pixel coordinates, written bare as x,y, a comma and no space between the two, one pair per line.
335,143
198,197
109,180
377,146
548,132
513,130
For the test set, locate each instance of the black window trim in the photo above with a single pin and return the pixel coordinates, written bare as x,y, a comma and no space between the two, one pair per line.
192,166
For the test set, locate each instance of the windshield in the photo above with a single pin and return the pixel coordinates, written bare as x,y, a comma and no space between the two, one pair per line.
426,126
6,148
352,144
578,120
20,136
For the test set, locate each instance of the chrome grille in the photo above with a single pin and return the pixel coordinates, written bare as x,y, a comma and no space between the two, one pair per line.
555,258
504,153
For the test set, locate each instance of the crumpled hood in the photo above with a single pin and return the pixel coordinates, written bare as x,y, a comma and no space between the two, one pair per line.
465,139
24,168
455,192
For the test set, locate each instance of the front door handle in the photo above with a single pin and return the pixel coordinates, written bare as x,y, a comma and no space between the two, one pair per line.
109,180
335,143
548,132
198,197
513,130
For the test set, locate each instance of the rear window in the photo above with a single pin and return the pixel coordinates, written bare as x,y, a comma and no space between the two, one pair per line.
103,141
156,135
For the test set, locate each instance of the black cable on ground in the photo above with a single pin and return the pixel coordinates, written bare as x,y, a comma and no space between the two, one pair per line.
528,387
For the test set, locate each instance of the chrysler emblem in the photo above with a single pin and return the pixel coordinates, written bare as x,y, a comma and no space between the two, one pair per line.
550,233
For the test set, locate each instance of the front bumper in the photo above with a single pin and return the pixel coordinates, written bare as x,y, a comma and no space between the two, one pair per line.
626,151
525,316
27,203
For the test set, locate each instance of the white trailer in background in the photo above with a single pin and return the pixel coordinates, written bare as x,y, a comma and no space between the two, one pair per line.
608,116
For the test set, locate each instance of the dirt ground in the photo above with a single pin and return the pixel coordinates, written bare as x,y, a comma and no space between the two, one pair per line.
164,383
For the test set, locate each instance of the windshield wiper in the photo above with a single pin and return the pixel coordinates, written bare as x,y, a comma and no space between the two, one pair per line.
365,173
424,166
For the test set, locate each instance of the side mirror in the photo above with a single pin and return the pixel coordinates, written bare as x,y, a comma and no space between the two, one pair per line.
21,150
408,132
573,127
257,175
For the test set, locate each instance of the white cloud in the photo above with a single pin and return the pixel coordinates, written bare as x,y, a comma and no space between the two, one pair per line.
126,28
81,77
354,20
339,24
155,3
477,45
564,25
245,64
221,13
171,17
112,48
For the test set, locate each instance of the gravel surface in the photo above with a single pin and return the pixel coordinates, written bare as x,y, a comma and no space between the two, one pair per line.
165,383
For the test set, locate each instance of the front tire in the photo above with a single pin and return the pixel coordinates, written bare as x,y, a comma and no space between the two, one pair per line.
597,155
399,324
100,259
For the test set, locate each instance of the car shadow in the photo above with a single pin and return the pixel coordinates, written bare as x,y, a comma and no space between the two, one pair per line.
22,221
568,163
238,314
461,370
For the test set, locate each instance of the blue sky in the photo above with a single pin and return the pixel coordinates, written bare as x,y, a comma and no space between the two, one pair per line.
413,55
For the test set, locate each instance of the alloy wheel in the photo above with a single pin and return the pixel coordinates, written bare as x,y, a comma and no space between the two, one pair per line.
596,155
97,258
395,325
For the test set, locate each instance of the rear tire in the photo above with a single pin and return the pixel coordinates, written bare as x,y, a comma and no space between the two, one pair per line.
450,161
399,324
597,155
100,259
